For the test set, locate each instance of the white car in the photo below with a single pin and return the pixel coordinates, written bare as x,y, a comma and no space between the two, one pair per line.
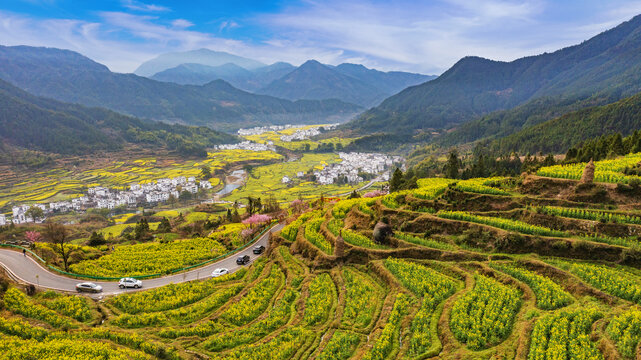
219,272
129,283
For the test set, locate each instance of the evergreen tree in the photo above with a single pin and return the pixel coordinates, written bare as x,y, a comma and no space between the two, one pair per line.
96,239
616,146
236,216
396,182
205,172
411,183
164,226
453,165
142,232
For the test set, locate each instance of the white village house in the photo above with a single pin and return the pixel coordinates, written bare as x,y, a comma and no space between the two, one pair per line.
104,198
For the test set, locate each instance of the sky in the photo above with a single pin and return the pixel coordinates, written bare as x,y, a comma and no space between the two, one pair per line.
418,36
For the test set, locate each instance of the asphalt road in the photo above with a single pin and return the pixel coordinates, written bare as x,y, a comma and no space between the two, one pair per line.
30,271
369,184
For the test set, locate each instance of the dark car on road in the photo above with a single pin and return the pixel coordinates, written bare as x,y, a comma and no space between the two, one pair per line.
258,249
242,260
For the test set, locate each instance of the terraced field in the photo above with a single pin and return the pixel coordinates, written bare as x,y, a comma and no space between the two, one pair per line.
64,183
485,274
267,180
275,138
607,171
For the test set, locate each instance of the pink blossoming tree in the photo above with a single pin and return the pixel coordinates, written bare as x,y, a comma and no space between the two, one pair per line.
32,236
372,194
257,219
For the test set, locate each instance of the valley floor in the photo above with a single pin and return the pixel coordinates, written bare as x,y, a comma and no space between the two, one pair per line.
531,268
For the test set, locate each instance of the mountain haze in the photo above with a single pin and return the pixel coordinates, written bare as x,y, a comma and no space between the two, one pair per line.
312,80
70,77
198,74
389,82
201,56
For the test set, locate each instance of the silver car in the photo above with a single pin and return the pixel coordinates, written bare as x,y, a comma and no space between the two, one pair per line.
88,287
129,283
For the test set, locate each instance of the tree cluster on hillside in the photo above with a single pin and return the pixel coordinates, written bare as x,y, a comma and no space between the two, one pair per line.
480,164
326,147
403,181
605,146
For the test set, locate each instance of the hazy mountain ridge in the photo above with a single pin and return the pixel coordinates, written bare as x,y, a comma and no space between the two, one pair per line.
239,77
70,77
312,80
390,82
201,56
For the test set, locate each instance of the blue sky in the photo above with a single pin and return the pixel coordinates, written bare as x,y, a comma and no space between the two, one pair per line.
420,36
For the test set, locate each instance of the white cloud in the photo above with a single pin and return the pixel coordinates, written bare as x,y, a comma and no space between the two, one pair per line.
401,35
182,23
140,6
410,36
228,25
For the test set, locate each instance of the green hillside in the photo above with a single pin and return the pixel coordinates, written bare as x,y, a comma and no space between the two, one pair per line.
603,69
36,123
561,133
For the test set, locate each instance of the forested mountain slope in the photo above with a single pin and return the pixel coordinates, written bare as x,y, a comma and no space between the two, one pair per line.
559,134
36,123
603,69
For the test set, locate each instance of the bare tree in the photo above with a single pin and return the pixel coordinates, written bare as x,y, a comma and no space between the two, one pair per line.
57,234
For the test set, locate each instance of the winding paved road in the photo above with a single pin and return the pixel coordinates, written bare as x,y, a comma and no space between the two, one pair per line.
30,271
369,184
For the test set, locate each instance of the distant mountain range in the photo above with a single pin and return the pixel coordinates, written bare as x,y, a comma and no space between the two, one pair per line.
482,98
248,80
37,123
311,81
70,77
201,56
